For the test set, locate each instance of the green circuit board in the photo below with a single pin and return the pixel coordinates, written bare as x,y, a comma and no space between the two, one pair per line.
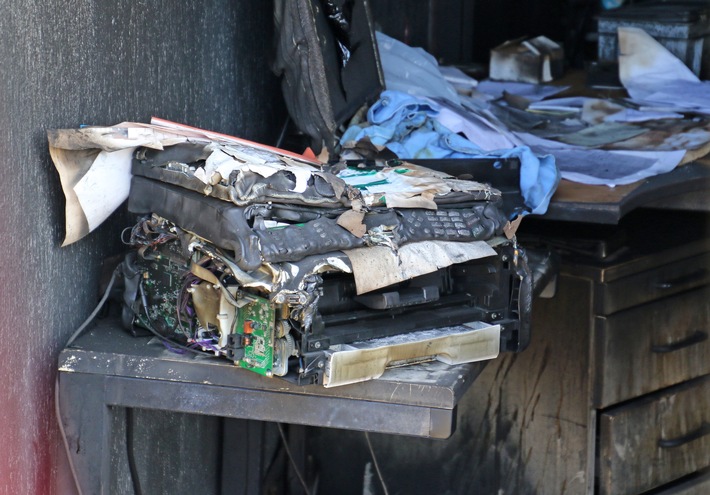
255,323
163,276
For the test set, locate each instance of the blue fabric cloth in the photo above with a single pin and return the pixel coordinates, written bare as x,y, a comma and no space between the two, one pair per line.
407,126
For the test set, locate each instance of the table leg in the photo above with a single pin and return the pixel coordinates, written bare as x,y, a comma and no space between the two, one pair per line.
86,421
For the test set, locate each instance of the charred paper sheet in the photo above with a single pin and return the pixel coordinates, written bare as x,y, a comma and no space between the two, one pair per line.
379,266
94,164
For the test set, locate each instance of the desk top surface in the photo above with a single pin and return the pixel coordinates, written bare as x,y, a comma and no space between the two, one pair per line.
686,187
109,350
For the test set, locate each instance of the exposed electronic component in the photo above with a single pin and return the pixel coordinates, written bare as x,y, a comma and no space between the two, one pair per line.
255,327
301,319
283,266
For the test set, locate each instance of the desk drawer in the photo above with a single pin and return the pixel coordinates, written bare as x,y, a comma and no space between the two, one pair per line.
652,346
647,286
653,441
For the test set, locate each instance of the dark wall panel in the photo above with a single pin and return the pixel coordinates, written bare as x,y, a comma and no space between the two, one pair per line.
71,62
444,28
464,31
173,453
496,21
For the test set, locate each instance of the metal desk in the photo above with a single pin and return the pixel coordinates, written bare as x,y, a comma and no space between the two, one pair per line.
107,367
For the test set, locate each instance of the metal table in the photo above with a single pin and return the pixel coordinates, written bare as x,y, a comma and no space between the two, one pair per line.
107,367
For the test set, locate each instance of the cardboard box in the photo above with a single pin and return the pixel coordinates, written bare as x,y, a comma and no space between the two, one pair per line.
535,60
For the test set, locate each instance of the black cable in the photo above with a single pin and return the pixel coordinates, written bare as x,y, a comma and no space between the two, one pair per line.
291,459
377,465
93,314
129,413
132,468
171,342
57,409
77,333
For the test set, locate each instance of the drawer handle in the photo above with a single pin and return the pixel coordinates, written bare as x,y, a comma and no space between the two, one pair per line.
697,337
694,435
695,276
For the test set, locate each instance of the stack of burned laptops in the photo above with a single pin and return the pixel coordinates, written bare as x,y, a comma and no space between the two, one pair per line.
326,273
285,267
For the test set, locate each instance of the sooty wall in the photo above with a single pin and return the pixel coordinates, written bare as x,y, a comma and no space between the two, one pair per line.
72,62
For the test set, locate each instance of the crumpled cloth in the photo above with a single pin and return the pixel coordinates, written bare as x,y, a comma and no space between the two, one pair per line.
408,126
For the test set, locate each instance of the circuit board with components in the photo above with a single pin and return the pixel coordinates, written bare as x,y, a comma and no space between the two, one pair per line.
163,275
255,327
